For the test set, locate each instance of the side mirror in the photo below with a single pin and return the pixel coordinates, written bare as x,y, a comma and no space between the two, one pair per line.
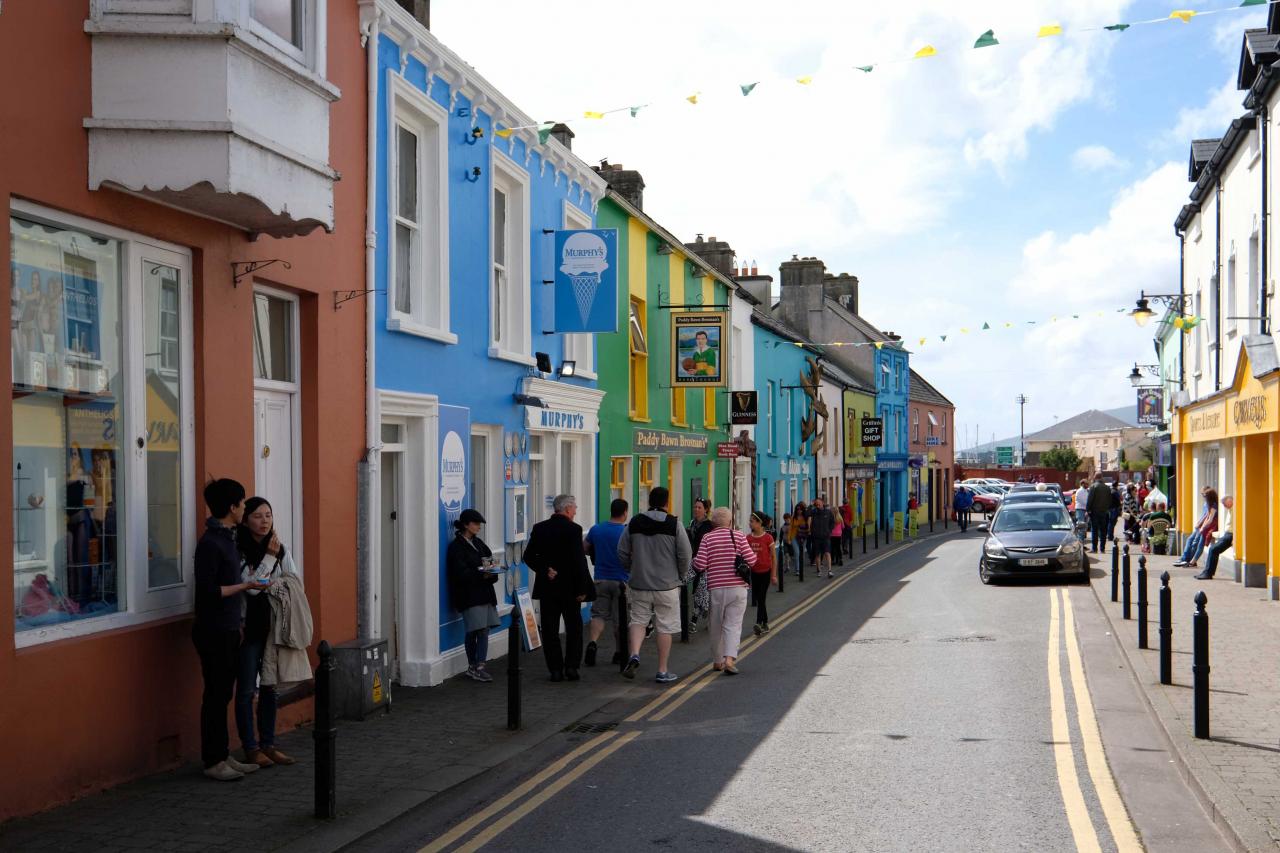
984,527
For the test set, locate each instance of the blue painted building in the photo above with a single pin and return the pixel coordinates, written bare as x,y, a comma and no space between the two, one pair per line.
785,475
472,402
893,384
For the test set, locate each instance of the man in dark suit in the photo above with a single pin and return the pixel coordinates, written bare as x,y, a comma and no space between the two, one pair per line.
562,583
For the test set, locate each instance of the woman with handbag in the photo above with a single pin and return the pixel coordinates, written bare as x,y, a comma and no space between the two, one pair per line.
763,574
726,559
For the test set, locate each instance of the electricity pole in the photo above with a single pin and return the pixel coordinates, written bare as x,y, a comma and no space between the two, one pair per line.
1022,422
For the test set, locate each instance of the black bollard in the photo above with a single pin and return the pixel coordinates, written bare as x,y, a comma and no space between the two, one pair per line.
1166,631
513,666
325,735
1142,603
877,540
1115,574
864,537
804,554
1126,583
782,567
1200,665
684,612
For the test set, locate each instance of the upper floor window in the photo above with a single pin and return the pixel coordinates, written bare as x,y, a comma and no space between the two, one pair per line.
282,17
768,413
509,313
638,361
294,27
915,425
418,258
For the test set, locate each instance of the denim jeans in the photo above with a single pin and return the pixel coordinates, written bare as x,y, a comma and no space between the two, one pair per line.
1195,545
477,645
246,685
1098,528
1214,552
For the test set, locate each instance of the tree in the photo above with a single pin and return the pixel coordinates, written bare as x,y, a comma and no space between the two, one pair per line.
1063,459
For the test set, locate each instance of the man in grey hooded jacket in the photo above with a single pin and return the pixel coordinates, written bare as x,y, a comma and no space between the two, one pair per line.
655,550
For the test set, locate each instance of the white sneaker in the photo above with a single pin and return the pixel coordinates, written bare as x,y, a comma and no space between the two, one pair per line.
223,772
239,766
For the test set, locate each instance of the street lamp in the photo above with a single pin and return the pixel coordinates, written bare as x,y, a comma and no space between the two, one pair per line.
1142,312
1135,376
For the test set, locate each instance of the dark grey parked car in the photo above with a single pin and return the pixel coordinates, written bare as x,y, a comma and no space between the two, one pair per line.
1032,540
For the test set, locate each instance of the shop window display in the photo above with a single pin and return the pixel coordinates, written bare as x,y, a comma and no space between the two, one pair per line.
65,298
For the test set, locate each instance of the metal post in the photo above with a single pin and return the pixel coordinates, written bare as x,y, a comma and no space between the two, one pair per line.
325,735
1142,603
1115,574
1126,583
782,568
877,543
800,563
684,612
1200,665
864,537
513,666
624,629
1166,631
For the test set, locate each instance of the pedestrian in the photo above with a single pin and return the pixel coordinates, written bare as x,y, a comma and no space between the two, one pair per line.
1079,499
837,539
787,534
1117,506
700,599
821,523
800,533
266,560
962,503
846,515
1204,530
1098,503
718,558
219,619
1222,543
561,585
611,578
763,573
472,572
1143,491
655,549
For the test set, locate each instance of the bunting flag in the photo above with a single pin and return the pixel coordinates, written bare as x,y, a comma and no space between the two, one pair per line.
593,115
747,87
544,131
1119,28
927,50
866,68
505,133
693,99
804,81
986,326
1049,30
987,39
635,111
922,341
1184,15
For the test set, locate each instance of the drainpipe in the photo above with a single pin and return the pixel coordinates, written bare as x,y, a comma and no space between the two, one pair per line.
366,522
1217,290
1182,295
1264,323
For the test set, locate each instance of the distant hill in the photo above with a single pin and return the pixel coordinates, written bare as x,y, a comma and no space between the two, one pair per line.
1126,416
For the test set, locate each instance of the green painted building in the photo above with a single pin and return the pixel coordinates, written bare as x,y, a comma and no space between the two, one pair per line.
652,434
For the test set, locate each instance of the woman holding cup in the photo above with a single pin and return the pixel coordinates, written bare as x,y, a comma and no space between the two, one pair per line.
472,572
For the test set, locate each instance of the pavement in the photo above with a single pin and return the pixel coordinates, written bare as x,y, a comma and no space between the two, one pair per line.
434,740
1236,773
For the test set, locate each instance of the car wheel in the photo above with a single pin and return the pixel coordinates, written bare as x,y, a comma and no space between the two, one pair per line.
984,574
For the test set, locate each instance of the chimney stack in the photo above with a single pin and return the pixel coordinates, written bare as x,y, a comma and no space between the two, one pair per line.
561,133
625,182
802,294
718,253
843,289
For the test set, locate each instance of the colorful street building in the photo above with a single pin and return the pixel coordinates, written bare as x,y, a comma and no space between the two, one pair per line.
476,402
932,448
787,473
665,400
175,238
861,475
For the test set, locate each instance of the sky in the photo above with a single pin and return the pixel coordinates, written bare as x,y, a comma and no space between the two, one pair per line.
1033,180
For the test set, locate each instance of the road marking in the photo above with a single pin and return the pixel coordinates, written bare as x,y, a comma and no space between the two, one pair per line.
545,794
1104,782
494,808
1063,755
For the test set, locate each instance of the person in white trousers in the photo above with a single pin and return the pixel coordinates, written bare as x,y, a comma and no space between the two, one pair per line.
716,556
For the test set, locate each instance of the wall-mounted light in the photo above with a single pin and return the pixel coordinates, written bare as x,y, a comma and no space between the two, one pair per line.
1142,314
476,134
543,361
474,174
568,367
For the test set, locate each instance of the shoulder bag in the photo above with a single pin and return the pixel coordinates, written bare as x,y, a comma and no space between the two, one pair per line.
741,567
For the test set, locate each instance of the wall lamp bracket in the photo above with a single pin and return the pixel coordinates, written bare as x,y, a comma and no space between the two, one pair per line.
473,175
241,269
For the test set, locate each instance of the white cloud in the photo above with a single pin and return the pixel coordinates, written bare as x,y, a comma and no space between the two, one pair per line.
1210,120
1096,158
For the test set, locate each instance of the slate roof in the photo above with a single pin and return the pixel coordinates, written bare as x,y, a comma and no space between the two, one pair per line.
1201,152
1259,49
920,390
1090,421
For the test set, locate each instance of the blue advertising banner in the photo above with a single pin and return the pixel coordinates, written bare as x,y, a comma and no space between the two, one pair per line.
586,281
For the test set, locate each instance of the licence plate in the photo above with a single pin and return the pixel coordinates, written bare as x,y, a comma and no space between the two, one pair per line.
1034,561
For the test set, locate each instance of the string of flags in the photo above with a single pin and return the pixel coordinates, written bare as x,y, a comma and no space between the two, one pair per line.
1183,322
985,40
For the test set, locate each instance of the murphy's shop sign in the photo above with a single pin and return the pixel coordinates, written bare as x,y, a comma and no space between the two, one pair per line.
1249,407
663,441
560,420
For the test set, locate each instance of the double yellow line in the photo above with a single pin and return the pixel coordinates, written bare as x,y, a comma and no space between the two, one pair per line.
1113,808
556,776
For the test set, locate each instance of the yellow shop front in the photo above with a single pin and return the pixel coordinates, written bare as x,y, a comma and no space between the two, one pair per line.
1231,443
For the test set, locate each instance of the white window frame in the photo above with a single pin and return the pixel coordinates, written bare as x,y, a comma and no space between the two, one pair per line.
314,26
769,415
579,348
428,314
141,604
517,324
1232,326
494,509
915,426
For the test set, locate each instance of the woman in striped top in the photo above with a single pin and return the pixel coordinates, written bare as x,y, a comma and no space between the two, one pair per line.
716,556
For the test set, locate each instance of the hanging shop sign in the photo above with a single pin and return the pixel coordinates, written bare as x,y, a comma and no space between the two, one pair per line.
698,349
873,432
663,441
586,281
916,461
1150,406
744,408
728,450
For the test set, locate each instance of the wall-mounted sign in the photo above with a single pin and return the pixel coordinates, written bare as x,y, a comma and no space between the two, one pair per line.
794,467
744,408
560,420
586,281
859,472
1150,406
698,344
933,441
727,450
873,432
891,464
662,441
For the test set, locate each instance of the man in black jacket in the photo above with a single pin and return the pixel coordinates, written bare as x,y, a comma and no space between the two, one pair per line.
562,582
1099,505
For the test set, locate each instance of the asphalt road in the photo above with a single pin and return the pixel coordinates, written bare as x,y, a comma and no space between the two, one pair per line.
907,708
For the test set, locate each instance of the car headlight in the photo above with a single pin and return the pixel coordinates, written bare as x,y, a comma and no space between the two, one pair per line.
993,548
1070,546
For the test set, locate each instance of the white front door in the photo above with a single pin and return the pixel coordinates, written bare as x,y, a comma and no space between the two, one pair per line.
276,462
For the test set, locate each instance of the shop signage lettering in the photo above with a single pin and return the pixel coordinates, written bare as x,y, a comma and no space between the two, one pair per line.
860,472
744,408
892,464
1206,422
727,450
536,418
792,467
873,432
933,441
1251,411
562,420
662,441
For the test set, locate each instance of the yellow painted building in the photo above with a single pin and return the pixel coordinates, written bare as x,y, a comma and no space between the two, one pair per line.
859,461
1231,442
